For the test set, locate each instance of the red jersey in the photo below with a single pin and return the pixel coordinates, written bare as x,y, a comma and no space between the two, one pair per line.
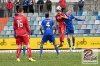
59,19
21,26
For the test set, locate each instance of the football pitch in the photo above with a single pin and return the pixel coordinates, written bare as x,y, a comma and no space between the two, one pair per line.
48,59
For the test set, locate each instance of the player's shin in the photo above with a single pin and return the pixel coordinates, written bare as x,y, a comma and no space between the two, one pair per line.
68,39
24,50
29,52
56,48
73,40
18,53
41,48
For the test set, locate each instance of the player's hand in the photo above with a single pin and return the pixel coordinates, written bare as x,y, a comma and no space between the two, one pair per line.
29,36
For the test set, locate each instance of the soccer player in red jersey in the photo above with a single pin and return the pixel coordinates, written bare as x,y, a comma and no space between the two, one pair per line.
22,30
61,27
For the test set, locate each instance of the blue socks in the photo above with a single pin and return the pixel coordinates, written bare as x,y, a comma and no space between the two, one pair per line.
24,50
69,42
56,48
41,48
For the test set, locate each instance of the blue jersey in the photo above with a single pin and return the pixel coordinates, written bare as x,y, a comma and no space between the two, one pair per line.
69,24
47,25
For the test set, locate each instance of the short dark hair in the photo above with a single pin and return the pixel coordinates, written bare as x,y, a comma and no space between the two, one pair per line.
20,9
46,15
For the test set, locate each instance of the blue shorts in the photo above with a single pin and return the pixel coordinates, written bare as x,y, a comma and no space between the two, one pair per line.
45,38
69,31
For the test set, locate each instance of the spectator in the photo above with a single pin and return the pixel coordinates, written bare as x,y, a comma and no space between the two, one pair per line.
25,6
49,5
75,7
17,5
30,3
40,4
9,6
62,5
81,5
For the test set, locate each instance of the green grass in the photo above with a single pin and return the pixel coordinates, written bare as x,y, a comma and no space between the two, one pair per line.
48,59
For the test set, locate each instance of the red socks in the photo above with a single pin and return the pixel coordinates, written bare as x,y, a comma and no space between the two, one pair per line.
29,52
18,53
62,38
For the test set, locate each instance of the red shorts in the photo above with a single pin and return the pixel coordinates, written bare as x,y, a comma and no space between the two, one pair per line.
22,40
61,28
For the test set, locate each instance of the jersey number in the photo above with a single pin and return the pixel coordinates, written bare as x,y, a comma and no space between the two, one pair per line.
19,23
48,24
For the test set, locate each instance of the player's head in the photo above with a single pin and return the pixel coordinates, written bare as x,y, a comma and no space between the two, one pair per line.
46,15
58,9
69,11
20,10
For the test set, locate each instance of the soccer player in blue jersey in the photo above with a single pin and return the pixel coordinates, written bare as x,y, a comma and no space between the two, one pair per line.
48,26
70,28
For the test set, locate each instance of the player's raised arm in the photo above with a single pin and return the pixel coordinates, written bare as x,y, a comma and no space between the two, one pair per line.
54,27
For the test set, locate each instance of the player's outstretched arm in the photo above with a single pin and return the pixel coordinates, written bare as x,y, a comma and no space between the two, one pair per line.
78,19
54,27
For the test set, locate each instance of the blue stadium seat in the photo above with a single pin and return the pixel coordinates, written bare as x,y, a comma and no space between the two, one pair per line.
8,33
98,31
83,27
5,28
93,17
88,17
78,35
87,31
90,13
96,34
9,23
97,22
32,32
36,14
1,36
6,36
38,18
85,22
11,36
39,36
29,19
33,18
98,17
74,13
31,23
43,18
3,32
11,19
12,32
33,27
36,32
91,22
79,13
99,13
80,22
37,27
77,26
84,13
89,26
36,23
30,14
95,13
76,31
81,31
11,28
85,35
95,26
91,35
93,31
33,36
75,22
41,14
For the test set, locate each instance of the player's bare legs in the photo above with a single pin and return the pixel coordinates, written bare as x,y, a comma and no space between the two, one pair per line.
61,38
41,48
73,41
68,39
56,48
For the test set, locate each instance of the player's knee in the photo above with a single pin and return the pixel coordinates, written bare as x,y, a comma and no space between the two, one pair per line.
42,43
